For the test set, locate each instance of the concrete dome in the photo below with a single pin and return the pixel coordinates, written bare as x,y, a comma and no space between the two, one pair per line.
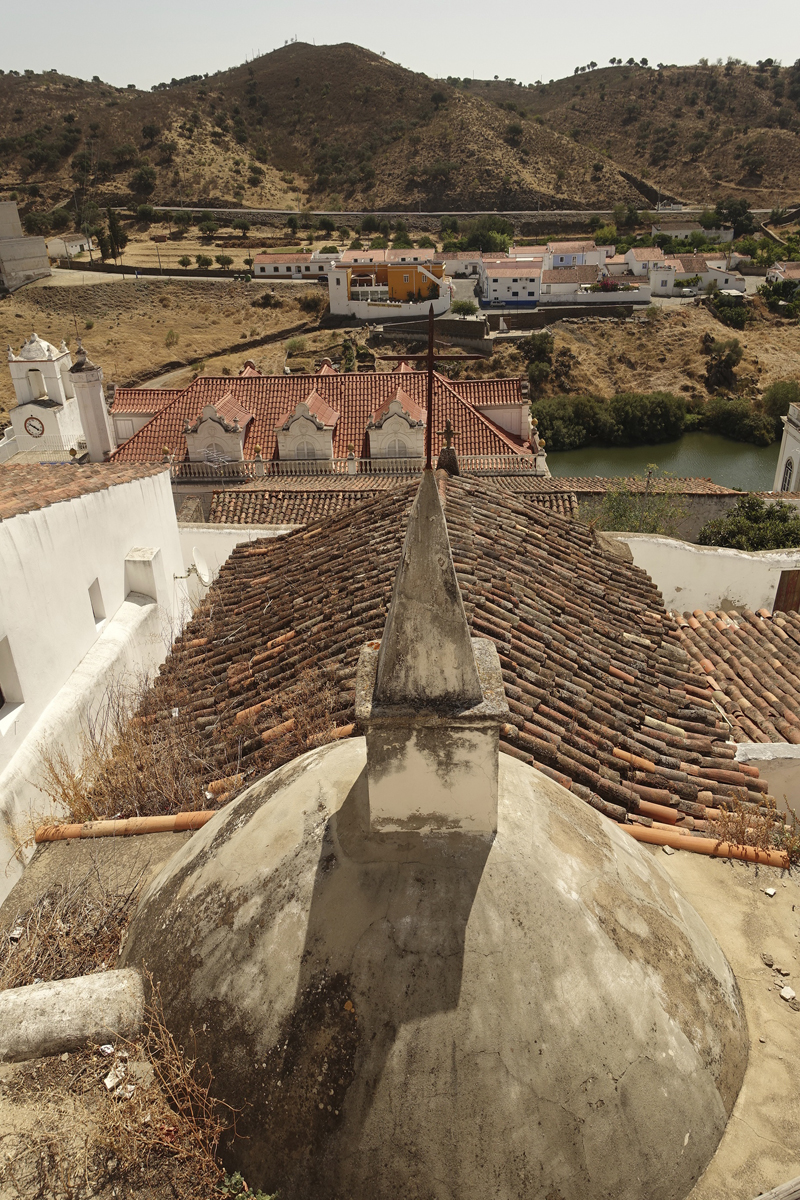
538,1015
36,349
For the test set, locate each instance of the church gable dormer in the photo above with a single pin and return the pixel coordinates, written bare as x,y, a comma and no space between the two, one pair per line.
218,432
306,431
397,428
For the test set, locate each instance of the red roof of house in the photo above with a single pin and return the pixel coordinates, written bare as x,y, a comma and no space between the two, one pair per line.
587,274
413,255
231,410
354,396
570,247
362,256
30,486
143,400
522,268
647,253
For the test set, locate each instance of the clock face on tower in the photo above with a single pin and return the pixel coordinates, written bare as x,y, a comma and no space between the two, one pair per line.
34,427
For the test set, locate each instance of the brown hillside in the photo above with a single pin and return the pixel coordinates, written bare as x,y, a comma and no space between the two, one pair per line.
697,132
334,126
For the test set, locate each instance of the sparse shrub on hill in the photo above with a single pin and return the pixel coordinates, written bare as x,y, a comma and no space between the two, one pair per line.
312,302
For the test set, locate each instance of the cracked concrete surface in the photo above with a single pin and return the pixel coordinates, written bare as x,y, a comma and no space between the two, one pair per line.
760,1148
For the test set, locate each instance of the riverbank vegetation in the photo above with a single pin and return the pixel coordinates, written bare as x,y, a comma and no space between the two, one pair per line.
754,525
569,422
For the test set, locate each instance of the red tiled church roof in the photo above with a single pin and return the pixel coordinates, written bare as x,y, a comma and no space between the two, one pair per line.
354,396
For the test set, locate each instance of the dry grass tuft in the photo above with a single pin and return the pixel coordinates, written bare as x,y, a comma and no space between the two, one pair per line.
766,827
171,1121
75,928
149,764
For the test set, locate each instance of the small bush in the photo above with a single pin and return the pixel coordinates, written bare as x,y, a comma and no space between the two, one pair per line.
312,302
754,525
171,339
464,308
295,345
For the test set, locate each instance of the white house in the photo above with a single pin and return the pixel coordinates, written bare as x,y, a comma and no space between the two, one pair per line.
641,260
292,266
459,262
787,472
22,259
698,266
573,254
67,245
91,595
511,284
684,229
780,271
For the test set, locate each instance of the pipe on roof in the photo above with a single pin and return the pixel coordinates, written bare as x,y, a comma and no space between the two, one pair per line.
701,845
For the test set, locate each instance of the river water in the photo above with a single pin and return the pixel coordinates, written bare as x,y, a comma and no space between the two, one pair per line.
695,455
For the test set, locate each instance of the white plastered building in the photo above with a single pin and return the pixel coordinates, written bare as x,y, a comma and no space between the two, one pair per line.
22,259
92,595
787,472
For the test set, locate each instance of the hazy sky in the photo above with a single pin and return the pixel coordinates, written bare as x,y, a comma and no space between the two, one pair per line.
146,41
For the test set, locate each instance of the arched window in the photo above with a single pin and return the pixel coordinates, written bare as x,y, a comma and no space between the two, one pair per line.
788,472
215,452
397,448
305,450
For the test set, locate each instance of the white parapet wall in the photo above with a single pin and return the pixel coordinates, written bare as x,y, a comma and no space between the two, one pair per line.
779,763
209,546
709,577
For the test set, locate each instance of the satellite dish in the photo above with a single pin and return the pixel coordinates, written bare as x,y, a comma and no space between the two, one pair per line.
201,567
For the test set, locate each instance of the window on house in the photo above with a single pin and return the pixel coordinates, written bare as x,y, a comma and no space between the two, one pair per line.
338,281
124,429
305,450
397,448
288,270
663,283
494,281
96,601
788,472
515,293
11,698
308,268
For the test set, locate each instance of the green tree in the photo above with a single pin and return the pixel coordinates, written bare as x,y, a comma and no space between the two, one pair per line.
327,224
652,503
185,261
104,245
735,418
208,228
293,224
723,359
146,213
117,235
464,308
241,224
143,181
167,151
538,348
150,132
753,525
737,213
779,395
203,261
223,260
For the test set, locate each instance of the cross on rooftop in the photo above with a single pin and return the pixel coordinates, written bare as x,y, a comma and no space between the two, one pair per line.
448,433
430,358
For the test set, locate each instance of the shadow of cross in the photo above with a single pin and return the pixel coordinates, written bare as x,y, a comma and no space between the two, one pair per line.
430,358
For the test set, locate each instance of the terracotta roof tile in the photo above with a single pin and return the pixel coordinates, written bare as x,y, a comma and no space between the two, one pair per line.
571,275
748,663
353,395
600,691
29,487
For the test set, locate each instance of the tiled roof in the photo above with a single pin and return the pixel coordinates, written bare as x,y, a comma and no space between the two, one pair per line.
407,404
143,400
459,255
353,395
295,507
231,410
586,274
361,256
749,663
26,488
570,247
521,268
617,259
597,485
647,253
694,263
317,406
790,270
666,226
413,255
483,393
602,697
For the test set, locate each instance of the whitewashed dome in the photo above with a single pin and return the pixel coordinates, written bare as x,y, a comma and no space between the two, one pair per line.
36,349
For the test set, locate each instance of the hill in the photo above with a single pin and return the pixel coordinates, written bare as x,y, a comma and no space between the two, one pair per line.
698,132
340,127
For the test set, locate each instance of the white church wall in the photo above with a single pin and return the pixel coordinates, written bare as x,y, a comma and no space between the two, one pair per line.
706,577
129,649
214,544
60,567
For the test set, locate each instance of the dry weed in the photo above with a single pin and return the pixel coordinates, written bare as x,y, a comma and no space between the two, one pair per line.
75,928
765,827
148,764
